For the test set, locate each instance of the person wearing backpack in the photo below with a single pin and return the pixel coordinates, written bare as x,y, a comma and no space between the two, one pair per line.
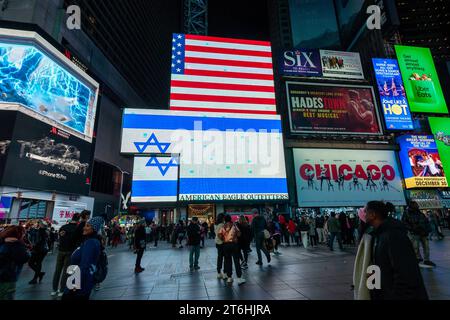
229,234
87,258
66,247
418,228
13,255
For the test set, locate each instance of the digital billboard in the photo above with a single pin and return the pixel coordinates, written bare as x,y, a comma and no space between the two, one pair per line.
331,177
330,108
216,74
441,130
342,65
155,179
421,80
42,82
301,62
43,157
222,157
395,107
421,162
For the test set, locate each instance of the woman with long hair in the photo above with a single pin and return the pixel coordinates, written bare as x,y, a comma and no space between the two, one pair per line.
244,240
219,245
13,255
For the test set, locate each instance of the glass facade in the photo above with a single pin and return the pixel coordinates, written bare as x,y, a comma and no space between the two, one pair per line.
32,209
314,24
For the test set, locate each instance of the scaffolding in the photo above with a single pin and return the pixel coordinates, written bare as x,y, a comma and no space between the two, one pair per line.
196,17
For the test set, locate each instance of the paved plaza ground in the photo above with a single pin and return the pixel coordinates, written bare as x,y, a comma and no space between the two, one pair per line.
296,274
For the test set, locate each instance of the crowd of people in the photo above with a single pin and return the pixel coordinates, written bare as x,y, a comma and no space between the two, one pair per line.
377,230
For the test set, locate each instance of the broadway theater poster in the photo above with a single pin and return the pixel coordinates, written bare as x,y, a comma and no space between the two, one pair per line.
329,108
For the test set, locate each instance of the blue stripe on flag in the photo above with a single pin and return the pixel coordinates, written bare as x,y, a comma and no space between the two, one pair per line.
154,188
162,122
232,185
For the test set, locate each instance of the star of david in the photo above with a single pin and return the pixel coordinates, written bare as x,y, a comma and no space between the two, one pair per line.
163,167
152,141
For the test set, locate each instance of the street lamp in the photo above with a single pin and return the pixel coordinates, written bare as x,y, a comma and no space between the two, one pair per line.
121,186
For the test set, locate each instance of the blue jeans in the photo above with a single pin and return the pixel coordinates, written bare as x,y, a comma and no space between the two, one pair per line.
195,250
334,235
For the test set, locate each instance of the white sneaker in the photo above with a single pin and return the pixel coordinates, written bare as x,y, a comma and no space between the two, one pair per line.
54,293
230,280
220,275
240,281
60,294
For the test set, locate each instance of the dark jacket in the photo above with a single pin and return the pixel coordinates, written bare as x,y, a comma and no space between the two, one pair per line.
259,224
13,255
67,240
139,237
303,225
416,222
193,233
246,235
394,255
86,257
320,222
41,243
78,237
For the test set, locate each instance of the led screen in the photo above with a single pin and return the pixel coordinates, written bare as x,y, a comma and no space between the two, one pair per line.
421,162
392,94
441,130
327,177
226,157
421,80
155,179
33,79
328,108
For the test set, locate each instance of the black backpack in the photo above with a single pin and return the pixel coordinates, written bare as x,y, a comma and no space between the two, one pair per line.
102,268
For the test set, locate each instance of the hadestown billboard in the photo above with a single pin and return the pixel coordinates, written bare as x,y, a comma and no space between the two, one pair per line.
331,177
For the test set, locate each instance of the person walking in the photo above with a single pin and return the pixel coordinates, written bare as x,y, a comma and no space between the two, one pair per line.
320,222
363,259
304,230
38,252
229,233
394,255
66,247
13,255
86,257
292,229
140,242
52,237
219,245
203,233
244,240
344,227
419,228
334,229
312,231
258,226
194,239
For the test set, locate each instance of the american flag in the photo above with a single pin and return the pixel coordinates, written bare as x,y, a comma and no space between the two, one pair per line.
221,75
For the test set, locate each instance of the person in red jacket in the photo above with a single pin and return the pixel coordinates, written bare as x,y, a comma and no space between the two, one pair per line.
292,229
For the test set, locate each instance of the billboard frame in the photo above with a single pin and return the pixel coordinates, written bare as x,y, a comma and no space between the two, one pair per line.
300,132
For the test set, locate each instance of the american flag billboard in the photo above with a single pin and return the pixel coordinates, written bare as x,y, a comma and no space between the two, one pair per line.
215,74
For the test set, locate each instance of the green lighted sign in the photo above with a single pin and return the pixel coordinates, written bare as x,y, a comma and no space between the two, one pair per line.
421,80
441,130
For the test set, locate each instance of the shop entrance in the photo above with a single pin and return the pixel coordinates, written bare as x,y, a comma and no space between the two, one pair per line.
204,212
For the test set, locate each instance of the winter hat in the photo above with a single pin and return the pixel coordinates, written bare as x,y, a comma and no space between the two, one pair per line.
96,223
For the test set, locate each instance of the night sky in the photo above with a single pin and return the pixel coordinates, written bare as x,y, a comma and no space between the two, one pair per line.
247,19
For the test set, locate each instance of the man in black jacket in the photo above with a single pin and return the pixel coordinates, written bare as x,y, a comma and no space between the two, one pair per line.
394,255
67,245
194,239
139,245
